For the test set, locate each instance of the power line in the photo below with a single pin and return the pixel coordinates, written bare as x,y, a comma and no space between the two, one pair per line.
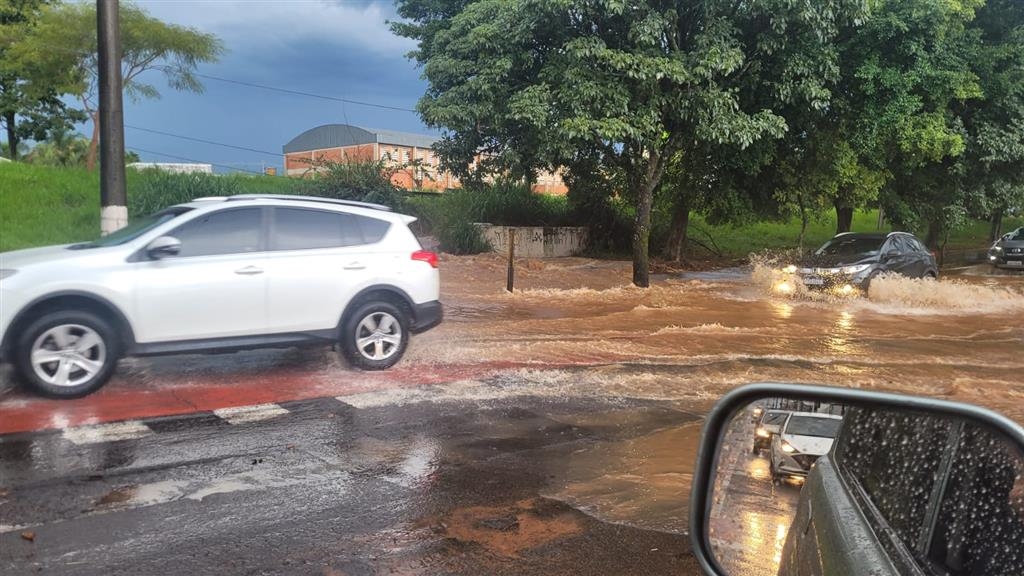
183,159
301,93
202,141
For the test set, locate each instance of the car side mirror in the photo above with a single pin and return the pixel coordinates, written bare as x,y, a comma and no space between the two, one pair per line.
163,247
857,482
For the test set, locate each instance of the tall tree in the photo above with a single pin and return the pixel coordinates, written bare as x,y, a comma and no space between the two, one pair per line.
909,69
543,83
67,34
30,103
994,126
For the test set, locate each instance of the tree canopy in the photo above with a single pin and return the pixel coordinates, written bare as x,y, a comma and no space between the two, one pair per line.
63,41
619,86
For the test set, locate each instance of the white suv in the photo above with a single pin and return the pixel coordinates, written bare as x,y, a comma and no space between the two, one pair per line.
218,274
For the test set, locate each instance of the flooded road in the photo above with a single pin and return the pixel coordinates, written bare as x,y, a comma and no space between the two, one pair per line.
750,514
551,430
698,335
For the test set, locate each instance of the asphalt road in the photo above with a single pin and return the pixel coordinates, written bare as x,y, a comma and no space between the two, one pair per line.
327,487
750,517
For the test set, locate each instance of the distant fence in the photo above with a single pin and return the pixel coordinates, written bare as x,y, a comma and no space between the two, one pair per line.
538,241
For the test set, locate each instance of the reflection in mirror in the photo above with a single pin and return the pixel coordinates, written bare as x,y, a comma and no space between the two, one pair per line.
805,488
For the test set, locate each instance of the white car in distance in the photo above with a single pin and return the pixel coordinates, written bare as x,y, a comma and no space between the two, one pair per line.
214,275
802,439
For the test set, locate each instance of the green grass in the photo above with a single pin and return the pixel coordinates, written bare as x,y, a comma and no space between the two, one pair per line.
42,205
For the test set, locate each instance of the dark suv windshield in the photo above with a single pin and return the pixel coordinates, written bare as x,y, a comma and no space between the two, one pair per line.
134,229
811,426
1017,234
852,245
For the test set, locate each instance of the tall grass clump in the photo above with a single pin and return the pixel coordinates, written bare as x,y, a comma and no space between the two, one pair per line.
452,216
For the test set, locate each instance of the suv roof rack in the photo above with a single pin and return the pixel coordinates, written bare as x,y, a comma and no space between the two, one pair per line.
354,203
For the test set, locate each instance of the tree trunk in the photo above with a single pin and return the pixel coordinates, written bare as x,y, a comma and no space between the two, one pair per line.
844,218
12,135
678,229
997,225
90,160
934,233
642,234
803,221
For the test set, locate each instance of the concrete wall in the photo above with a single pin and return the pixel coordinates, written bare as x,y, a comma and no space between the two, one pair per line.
538,241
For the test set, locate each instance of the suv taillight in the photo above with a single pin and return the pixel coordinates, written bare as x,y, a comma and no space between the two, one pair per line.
425,256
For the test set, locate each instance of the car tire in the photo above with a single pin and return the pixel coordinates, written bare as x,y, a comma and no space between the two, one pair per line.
375,335
67,353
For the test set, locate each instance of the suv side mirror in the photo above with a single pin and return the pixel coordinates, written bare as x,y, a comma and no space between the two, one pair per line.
857,482
163,247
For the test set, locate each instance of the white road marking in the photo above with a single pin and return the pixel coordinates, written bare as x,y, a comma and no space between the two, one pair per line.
243,414
111,432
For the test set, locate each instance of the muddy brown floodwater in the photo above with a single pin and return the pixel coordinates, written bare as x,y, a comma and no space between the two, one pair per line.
692,337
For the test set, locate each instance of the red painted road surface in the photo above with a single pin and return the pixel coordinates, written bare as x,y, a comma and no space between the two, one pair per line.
167,389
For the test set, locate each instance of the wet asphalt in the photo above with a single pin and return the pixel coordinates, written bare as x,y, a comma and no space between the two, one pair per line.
325,487
750,514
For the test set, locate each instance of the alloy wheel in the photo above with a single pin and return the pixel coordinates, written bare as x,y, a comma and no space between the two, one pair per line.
68,355
378,336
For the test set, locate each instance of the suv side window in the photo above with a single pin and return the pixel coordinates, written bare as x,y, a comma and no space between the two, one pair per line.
306,229
895,458
916,245
373,229
901,244
234,231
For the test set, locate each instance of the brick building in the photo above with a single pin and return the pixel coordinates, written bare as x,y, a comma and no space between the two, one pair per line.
346,143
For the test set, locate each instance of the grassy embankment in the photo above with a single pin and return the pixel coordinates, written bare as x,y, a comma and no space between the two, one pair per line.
41,206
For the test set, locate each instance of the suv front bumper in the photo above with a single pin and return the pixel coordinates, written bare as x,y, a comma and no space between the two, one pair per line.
426,316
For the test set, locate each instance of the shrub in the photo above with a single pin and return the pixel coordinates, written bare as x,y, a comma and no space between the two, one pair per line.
463,238
154,189
361,181
450,216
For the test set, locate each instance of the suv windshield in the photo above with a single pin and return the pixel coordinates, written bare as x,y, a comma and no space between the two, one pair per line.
134,230
851,245
811,426
1017,234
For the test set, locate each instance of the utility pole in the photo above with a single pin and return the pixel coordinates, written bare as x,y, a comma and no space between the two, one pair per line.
113,194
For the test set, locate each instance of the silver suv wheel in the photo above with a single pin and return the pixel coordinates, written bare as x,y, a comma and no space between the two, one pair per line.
68,355
378,336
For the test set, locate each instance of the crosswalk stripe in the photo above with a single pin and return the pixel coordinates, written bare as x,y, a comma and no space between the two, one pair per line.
243,414
111,432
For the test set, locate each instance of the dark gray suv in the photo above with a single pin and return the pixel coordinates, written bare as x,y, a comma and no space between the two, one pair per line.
1008,251
851,260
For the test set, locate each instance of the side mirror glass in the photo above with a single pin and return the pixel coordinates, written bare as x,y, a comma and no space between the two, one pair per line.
163,247
855,482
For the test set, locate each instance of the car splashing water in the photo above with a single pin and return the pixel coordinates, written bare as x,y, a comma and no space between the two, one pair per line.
692,337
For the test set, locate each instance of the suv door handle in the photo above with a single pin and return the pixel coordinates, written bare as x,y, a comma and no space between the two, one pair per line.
249,271
354,266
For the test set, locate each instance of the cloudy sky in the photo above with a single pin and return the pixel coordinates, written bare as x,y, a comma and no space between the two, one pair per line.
337,48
